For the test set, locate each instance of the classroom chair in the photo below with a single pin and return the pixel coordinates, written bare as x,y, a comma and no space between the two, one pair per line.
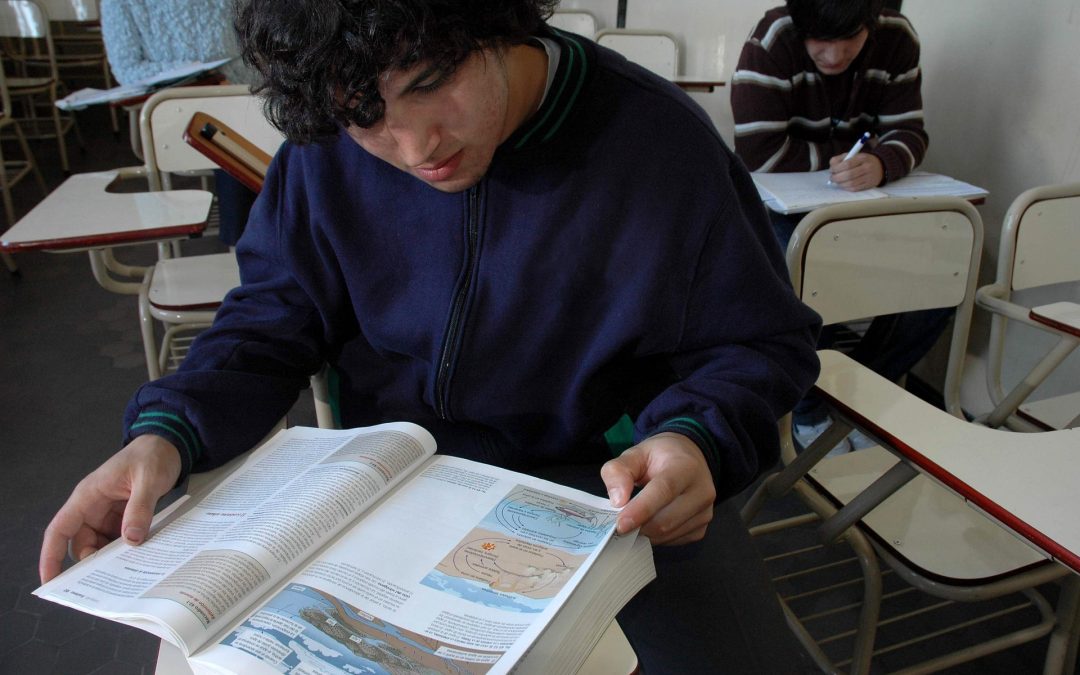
30,47
864,259
182,293
247,162
655,50
1040,239
577,21
80,49
12,171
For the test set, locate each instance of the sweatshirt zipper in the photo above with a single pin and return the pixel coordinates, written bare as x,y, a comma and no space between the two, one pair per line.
448,353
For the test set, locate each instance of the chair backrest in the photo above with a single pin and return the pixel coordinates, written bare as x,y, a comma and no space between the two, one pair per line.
166,114
71,10
1040,238
5,98
653,49
577,21
870,258
26,19
23,19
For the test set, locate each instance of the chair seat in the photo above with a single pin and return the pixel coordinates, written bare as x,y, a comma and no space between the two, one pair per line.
17,83
193,283
922,522
84,59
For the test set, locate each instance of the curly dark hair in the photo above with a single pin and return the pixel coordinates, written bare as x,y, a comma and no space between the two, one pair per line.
320,59
833,19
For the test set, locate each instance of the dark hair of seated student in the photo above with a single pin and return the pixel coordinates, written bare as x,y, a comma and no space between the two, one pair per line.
321,59
833,19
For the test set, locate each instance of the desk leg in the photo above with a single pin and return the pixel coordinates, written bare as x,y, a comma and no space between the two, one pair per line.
1034,378
1061,653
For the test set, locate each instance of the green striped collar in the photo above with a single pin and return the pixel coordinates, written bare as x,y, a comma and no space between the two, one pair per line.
575,63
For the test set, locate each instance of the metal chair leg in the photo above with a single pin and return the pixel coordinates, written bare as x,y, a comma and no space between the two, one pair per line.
60,141
1061,653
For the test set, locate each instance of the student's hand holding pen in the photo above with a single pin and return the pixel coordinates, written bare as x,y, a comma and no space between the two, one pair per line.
856,170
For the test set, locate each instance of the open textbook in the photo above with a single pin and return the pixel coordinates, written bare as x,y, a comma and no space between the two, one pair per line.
361,551
90,96
805,191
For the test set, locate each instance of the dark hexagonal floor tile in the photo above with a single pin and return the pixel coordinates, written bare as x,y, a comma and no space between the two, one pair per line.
32,657
18,629
136,646
9,595
63,627
86,653
123,668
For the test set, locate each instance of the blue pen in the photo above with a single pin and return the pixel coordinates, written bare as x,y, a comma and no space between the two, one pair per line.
855,148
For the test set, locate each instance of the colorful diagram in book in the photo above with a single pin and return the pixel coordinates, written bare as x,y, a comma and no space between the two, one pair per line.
523,551
304,630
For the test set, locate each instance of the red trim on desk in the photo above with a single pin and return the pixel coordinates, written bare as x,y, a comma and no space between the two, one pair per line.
1047,321
1037,422
1041,541
187,308
108,239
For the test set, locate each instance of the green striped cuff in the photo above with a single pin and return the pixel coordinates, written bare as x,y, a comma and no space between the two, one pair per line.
692,429
173,428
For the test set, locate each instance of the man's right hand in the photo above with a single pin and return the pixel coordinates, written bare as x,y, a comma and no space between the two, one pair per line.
117,498
861,172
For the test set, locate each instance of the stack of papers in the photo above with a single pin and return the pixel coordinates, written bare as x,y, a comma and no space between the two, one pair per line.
806,191
85,97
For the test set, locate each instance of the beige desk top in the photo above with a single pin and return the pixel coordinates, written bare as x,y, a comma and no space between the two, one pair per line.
81,214
1027,482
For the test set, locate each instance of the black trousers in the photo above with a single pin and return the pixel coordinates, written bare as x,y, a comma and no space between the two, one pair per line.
234,204
712,607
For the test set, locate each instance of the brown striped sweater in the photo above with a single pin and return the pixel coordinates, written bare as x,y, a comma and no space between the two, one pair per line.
790,117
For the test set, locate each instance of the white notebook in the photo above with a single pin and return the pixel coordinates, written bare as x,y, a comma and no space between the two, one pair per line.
82,98
805,191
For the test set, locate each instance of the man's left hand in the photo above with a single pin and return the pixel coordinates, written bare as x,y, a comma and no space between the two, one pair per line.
675,505
861,172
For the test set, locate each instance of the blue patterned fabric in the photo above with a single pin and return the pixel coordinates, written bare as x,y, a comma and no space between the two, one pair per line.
146,37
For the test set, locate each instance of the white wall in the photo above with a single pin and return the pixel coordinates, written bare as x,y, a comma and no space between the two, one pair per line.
1001,91
711,34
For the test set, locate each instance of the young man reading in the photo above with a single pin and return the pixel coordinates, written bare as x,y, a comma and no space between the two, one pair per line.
512,237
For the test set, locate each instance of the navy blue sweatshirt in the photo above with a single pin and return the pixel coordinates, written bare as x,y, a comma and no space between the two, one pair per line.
614,259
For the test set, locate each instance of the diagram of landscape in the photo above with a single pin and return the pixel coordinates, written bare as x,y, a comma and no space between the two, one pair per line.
522,552
303,630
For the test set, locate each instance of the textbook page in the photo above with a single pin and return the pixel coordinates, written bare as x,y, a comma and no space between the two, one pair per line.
77,100
458,570
208,560
798,192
